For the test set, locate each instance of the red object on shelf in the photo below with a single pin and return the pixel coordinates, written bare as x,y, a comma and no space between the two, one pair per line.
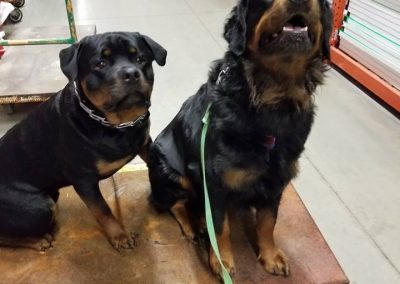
338,11
2,51
359,72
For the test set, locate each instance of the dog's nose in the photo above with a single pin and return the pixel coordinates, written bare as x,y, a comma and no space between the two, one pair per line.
298,1
130,74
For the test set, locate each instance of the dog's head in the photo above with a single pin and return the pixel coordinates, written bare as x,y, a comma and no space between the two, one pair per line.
284,29
114,71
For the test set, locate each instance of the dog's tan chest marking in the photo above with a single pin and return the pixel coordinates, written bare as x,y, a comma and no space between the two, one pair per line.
235,178
276,93
298,96
106,168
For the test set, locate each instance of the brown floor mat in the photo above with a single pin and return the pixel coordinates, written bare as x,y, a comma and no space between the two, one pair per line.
81,253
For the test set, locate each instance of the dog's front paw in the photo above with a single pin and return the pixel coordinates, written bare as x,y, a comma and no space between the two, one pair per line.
123,241
275,262
227,260
119,239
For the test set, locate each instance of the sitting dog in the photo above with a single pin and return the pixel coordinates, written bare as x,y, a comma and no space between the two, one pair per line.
84,133
262,110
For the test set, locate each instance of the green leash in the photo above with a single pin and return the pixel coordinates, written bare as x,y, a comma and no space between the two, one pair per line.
209,219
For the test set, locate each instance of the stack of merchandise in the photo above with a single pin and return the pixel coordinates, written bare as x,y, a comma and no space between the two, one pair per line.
371,35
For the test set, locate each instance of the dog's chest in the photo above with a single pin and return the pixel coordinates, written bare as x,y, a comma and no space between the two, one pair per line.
267,148
106,168
112,153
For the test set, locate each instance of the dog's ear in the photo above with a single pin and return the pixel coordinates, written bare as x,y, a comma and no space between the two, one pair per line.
326,20
159,52
236,28
69,61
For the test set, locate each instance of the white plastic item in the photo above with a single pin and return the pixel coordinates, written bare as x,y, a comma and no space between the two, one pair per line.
5,10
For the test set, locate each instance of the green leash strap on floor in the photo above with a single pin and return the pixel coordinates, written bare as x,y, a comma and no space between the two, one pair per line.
209,219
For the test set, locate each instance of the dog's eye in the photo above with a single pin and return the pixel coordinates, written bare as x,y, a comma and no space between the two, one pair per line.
101,64
139,60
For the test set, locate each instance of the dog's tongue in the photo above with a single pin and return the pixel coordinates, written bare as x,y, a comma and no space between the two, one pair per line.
295,29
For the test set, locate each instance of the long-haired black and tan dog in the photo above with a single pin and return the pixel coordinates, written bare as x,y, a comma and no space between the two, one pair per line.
84,133
262,111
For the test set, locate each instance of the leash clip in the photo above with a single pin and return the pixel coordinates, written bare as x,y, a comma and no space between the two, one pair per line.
221,75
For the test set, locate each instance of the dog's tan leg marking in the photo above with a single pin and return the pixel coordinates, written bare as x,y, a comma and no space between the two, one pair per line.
225,250
181,214
273,259
106,168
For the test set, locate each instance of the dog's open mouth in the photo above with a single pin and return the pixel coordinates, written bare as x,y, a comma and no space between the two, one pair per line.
296,25
293,35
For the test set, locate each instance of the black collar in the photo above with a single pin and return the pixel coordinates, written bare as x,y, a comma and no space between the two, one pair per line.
135,123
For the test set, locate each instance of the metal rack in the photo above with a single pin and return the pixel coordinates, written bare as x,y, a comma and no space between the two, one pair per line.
70,40
379,76
31,68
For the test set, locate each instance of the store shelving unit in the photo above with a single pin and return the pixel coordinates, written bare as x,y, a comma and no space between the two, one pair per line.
367,46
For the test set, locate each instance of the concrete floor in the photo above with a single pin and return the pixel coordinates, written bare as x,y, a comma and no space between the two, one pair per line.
350,171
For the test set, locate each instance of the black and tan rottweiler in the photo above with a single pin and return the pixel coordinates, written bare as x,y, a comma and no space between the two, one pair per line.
262,110
84,133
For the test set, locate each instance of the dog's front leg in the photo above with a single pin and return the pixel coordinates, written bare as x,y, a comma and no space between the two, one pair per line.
272,258
92,197
222,229
225,249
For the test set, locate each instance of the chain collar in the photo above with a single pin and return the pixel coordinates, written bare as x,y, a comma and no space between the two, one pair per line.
135,123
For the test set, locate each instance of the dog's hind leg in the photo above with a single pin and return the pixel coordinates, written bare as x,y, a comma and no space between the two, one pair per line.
173,195
170,191
182,216
26,217
167,185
